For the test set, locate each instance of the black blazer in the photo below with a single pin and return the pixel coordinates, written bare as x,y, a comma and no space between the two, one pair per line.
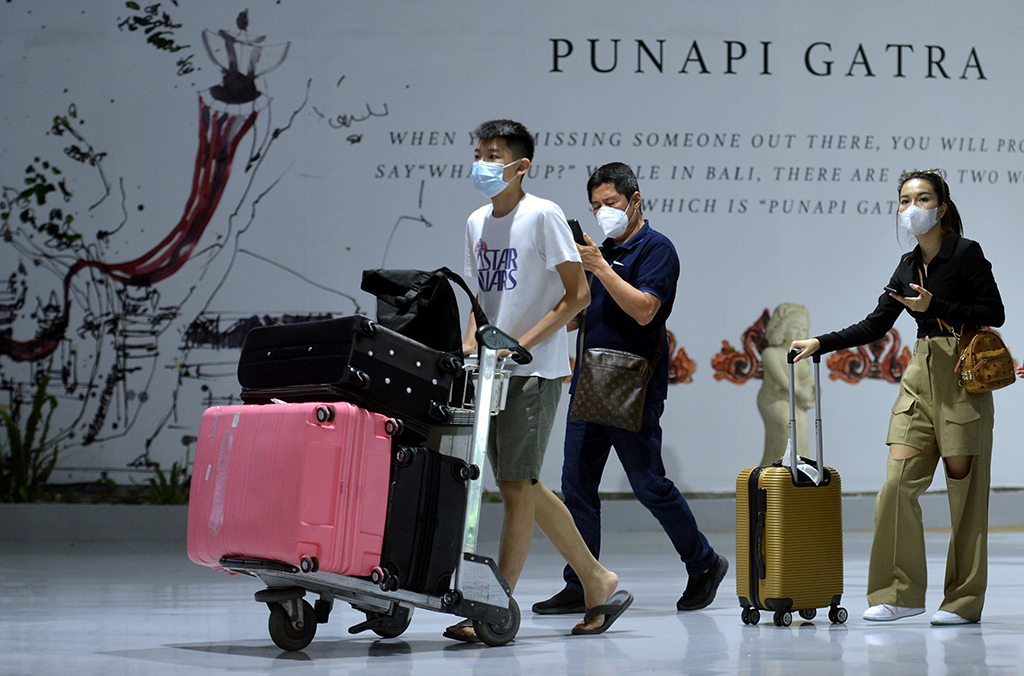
964,294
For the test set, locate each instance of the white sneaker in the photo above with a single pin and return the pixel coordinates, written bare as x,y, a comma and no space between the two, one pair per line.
943,618
884,612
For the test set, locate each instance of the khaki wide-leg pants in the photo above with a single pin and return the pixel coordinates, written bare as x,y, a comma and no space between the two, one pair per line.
936,416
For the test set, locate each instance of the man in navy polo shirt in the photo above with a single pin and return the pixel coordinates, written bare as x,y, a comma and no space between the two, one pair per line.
633,287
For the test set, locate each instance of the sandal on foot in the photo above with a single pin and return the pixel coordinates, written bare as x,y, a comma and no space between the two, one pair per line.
611,610
463,631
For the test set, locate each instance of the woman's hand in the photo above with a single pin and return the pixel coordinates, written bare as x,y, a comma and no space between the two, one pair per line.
807,348
919,304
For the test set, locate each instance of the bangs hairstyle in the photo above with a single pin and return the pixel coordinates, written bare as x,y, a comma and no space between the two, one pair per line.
951,219
616,173
515,135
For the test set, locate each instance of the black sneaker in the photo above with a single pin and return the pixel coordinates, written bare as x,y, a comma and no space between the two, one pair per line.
566,602
700,590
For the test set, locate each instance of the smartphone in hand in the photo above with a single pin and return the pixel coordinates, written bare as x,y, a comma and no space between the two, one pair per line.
577,232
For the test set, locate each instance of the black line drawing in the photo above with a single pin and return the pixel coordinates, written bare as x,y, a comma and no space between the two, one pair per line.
108,359
132,352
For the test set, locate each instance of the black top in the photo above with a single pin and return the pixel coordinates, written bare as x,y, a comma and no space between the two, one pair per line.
964,294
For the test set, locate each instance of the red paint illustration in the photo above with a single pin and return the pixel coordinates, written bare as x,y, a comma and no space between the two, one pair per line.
880,360
739,367
680,367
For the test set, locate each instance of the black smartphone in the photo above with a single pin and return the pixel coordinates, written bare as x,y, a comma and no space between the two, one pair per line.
577,232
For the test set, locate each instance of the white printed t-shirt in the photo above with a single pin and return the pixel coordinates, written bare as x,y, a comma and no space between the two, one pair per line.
513,260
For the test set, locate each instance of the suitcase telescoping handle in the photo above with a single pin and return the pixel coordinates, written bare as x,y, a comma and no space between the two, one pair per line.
816,359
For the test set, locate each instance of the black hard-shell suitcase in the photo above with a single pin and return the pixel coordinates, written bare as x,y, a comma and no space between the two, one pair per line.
789,533
351,359
425,519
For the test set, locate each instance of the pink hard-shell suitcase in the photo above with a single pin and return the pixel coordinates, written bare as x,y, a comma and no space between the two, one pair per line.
301,484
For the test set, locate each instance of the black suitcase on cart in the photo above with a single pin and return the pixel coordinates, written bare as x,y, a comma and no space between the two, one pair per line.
351,359
425,519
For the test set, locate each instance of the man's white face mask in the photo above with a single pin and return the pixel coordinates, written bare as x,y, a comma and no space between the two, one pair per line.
614,222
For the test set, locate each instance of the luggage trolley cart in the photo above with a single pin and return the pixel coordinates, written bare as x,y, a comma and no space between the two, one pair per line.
477,590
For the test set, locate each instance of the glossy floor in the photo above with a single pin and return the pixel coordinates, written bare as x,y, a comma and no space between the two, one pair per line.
148,610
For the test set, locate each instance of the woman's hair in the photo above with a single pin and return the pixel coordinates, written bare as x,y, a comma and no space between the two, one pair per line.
775,331
951,219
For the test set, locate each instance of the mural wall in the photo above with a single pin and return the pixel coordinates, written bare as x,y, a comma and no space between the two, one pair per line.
176,173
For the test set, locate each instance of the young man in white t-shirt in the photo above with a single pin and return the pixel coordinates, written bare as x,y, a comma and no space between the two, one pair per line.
520,250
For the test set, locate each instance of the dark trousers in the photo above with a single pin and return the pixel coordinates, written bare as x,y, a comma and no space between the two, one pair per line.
586,451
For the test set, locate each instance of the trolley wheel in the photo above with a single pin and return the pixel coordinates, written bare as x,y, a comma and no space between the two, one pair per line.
402,615
499,634
309,565
324,414
377,575
462,472
474,472
393,427
783,618
809,614
837,615
754,616
288,635
745,615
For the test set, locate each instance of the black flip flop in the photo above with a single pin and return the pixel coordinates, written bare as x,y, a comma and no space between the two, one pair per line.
616,605
459,636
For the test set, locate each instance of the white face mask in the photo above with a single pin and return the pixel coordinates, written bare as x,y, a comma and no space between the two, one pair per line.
614,222
918,221
488,177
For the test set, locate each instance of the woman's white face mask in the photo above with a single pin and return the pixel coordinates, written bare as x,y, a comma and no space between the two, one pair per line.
918,221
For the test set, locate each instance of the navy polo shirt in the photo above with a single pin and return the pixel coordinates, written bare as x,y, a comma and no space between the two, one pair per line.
648,262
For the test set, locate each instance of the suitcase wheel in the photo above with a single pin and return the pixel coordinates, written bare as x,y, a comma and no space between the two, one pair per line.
325,414
393,427
462,472
837,615
440,413
451,363
360,379
783,618
383,579
309,565
750,616
808,614
403,456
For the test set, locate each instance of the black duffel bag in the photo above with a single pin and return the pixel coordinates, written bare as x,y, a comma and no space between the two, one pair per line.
421,305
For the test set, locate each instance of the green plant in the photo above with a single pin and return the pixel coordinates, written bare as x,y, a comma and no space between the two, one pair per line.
170,488
27,462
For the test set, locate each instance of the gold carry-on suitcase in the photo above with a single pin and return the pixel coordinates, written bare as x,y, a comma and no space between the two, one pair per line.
789,532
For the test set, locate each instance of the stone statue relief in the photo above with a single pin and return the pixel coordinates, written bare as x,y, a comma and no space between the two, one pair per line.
788,322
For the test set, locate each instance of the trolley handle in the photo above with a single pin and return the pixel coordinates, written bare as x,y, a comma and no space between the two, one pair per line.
494,338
